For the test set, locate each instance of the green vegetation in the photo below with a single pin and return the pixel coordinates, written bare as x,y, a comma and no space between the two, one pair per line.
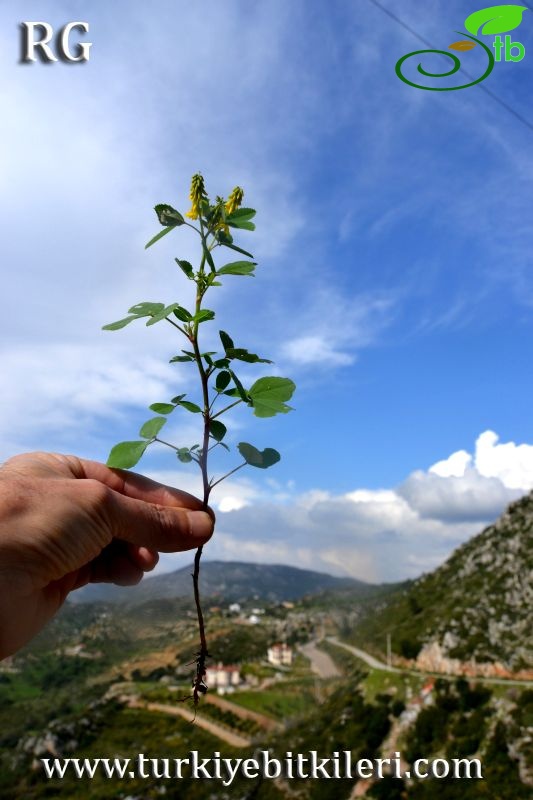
477,598
279,703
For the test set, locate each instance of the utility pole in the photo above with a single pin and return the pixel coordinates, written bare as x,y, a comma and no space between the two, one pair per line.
389,652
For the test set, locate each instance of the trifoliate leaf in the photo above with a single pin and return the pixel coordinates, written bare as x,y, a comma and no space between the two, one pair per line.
258,458
269,396
146,309
163,314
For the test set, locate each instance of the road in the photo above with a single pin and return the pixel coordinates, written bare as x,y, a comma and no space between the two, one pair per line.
364,656
321,663
376,664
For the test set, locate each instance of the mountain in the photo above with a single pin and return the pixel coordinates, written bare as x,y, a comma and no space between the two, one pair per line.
477,606
226,581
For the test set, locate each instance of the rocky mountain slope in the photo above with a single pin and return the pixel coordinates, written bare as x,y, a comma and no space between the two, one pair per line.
477,607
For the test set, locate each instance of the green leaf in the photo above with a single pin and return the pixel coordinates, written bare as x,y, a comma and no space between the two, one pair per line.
180,358
240,388
222,381
226,340
258,458
217,429
204,315
177,398
146,309
159,236
241,213
238,268
163,314
221,363
152,427
184,455
269,396
208,257
192,407
248,226
162,408
168,215
182,314
121,323
495,19
185,267
243,355
228,242
126,454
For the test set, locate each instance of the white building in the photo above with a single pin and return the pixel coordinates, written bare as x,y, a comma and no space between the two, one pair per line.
223,678
280,655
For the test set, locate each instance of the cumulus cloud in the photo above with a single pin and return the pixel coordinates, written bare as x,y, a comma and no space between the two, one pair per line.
372,534
471,496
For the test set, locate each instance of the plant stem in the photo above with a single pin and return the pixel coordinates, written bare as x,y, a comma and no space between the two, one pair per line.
223,478
198,684
223,411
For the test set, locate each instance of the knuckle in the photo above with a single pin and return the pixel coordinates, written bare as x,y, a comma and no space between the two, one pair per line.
97,493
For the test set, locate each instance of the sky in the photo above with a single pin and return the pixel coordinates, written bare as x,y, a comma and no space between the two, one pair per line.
394,280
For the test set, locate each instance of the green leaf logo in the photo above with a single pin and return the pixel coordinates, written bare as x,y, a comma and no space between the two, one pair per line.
495,19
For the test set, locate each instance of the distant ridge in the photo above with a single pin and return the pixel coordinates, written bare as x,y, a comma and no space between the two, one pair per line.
228,581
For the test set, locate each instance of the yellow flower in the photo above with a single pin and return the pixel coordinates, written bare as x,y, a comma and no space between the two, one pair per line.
234,200
197,195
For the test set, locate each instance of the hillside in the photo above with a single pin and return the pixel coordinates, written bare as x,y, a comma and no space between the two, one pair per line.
228,581
478,605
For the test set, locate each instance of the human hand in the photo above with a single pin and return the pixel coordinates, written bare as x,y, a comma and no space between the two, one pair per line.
66,522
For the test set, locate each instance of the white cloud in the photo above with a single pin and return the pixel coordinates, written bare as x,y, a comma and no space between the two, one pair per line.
315,349
471,496
370,534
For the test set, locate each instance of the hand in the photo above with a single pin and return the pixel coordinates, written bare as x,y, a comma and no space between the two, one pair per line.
66,522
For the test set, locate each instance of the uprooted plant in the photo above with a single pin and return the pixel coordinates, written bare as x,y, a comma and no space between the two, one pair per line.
217,379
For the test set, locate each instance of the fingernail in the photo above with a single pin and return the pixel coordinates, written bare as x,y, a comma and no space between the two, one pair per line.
201,525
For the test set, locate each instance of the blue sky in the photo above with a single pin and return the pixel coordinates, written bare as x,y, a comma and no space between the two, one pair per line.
394,281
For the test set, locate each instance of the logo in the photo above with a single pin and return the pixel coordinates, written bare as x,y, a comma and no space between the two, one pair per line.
491,21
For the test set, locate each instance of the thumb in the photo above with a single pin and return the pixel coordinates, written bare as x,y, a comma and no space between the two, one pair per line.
168,529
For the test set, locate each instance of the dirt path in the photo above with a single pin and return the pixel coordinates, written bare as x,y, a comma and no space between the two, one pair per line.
230,737
321,663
